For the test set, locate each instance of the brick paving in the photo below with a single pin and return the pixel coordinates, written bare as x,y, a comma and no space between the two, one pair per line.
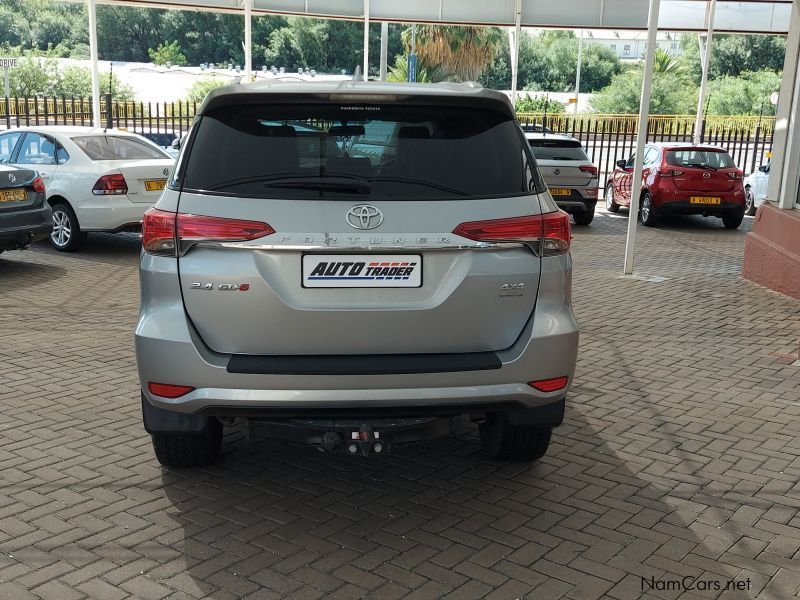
679,457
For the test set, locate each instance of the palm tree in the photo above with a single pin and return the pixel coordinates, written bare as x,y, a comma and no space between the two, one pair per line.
399,72
455,53
666,63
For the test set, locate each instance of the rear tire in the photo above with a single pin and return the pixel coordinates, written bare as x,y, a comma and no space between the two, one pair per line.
503,441
647,213
749,202
584,217
189,449
611,206
732,221
66,235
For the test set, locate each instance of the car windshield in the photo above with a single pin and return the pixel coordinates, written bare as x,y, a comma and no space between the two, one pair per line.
115,147
701,159
374,151
556,149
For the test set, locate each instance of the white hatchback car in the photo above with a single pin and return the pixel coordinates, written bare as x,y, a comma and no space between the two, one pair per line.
96,179
755,189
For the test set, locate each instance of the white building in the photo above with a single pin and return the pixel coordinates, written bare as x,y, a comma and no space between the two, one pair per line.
627,44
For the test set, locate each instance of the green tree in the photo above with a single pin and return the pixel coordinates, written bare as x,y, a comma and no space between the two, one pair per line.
399,71
734,54
666,62
539,104
200,88
455,53
670,94
747,94
167,54
32,76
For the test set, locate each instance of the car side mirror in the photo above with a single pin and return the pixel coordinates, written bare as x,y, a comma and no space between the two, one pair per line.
764,168
622,163
176,144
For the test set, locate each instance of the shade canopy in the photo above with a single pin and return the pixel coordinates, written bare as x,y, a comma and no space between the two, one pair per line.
753,16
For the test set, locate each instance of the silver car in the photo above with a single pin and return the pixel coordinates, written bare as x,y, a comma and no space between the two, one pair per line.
569,174
355,266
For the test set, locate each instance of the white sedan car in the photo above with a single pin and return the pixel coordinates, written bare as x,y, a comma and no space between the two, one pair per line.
755,189
96,180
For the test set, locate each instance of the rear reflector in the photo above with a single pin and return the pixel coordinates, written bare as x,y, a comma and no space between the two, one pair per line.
589,169
38,185
550,385
161,230
168,390
551,231
110,185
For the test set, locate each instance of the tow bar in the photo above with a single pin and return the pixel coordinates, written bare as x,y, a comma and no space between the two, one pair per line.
348,436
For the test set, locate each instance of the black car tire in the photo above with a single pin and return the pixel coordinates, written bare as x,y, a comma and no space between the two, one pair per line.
749,202
66,235
503,441
647,214
584,217
189,449
611,206
732,220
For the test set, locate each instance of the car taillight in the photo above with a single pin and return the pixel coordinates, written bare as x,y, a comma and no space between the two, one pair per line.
592,192
168,390
736,174
162,231
110,185
665,172
38,185
551,231
589,169
550,385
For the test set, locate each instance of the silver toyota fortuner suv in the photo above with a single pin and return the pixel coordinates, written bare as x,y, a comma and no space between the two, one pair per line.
355,266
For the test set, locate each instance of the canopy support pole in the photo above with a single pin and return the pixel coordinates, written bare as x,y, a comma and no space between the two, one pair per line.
578,72
248,40
514,38
366,41
698,124
384,49
91,7
641,136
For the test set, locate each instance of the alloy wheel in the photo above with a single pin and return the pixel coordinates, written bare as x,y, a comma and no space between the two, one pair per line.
62,228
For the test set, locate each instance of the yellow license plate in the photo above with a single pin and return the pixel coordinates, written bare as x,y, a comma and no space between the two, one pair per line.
704,200
155,185
560,192
13,195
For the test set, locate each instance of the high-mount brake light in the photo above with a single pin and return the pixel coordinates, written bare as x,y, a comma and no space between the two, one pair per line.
162,230
551,231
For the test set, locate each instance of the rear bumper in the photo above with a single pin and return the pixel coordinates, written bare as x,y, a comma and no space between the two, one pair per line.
684,207
170,351
109,213
21,228
576,206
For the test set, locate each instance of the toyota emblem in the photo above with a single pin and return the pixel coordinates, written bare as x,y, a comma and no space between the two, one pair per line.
364,216
12,178
706,175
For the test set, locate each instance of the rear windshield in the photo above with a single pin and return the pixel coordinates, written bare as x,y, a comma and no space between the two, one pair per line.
114,147
554,149
716,159
376,151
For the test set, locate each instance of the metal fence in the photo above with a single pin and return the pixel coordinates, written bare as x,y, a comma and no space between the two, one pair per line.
607,138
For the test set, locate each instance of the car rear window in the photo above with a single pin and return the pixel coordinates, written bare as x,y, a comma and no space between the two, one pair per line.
115,147
716,159
555,149
389,151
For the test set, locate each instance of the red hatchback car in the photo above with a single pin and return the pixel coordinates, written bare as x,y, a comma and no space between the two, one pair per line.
681,179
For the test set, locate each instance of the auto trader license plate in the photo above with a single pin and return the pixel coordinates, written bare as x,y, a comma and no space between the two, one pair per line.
154,185
362,270
704,200
560,192
13,195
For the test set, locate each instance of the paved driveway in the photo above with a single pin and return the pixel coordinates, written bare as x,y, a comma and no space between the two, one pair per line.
678,465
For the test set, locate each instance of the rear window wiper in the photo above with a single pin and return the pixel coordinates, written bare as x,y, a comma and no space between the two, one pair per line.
701,166
300,181
424,182
356,187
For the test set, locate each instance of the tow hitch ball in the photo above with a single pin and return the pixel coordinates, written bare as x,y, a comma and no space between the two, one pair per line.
364,441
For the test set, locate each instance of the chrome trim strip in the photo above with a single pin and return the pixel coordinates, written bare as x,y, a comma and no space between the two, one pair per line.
365,248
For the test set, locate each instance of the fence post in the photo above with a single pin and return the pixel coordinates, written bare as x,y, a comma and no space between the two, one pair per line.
8,114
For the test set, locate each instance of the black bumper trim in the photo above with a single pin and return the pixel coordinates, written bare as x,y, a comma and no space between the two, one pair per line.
362,364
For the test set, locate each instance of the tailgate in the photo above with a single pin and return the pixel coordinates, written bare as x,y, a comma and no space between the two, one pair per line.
145,178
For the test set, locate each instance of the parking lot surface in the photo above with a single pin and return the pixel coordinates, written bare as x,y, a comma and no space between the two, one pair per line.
678,463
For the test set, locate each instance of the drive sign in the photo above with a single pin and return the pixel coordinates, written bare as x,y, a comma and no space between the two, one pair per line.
8,62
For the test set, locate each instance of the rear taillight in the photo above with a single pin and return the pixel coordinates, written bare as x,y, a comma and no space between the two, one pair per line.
162,231
38,185
550,232
736,174
589,169
550,385
168,390
591,192
110,185
666,172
